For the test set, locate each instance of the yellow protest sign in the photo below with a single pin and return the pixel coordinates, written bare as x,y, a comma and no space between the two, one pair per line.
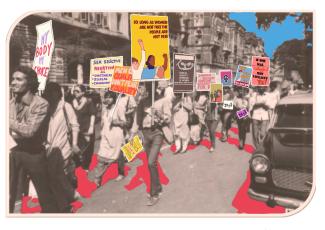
132,148
151,32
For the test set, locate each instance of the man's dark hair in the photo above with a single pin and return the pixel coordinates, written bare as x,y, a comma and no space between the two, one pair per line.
111,95
52,92
31,77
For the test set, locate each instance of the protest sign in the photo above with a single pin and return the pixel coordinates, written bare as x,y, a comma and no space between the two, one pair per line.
243,76
204,81
261,71
216,92
101,71
122,81
228,105
184,65
43,52
226,77
132,148
242,113
153,31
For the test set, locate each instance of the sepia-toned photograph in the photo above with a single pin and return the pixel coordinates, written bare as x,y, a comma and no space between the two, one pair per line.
160,113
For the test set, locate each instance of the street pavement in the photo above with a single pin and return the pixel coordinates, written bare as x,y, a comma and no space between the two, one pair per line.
195,182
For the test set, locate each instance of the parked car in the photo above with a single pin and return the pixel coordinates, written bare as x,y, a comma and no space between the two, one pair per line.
282,166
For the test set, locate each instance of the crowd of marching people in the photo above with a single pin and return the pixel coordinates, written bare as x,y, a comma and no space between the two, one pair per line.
55,133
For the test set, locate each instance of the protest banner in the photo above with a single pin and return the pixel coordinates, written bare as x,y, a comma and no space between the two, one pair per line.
243,76
184,69
43,52
216,92
132,148
261,71
101,71
226,77
204,81
122,81
242,113
153,32
228,105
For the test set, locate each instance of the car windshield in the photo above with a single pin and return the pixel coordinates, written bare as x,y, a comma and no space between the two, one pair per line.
294,116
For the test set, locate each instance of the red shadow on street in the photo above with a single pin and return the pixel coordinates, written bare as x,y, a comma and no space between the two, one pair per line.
242,202
142,174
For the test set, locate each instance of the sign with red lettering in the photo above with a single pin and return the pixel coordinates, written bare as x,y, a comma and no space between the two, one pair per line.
261,71
102,70
204,81
122,81
43,52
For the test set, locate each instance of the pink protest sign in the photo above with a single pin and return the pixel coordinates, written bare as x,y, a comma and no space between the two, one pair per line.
226,77
261,71
204,80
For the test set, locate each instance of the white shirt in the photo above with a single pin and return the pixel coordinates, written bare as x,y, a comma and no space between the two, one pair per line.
57,134
260,113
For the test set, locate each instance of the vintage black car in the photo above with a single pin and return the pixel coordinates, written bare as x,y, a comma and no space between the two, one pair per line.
282,166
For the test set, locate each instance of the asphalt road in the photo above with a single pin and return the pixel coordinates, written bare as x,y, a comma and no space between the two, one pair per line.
198,182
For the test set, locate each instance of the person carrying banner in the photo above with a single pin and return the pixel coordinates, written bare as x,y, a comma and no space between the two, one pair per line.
151,117
212,119
181,110
200,109
112,135
28,115
226,115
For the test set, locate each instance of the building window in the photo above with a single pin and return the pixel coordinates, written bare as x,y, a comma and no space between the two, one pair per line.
119,16
98,19
67,15
84,17
105,23
91,18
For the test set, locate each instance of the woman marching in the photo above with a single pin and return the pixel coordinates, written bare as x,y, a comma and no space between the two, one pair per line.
86,113
181,112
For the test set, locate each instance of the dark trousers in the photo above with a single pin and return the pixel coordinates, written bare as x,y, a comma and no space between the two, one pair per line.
35,165
226,116
243,125
212,125
87,149
61,182
153,140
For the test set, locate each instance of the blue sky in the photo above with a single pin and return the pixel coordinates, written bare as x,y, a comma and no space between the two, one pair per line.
275,35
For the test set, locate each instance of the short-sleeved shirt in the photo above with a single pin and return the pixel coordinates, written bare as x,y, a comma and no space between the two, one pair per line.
148,73
84,115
